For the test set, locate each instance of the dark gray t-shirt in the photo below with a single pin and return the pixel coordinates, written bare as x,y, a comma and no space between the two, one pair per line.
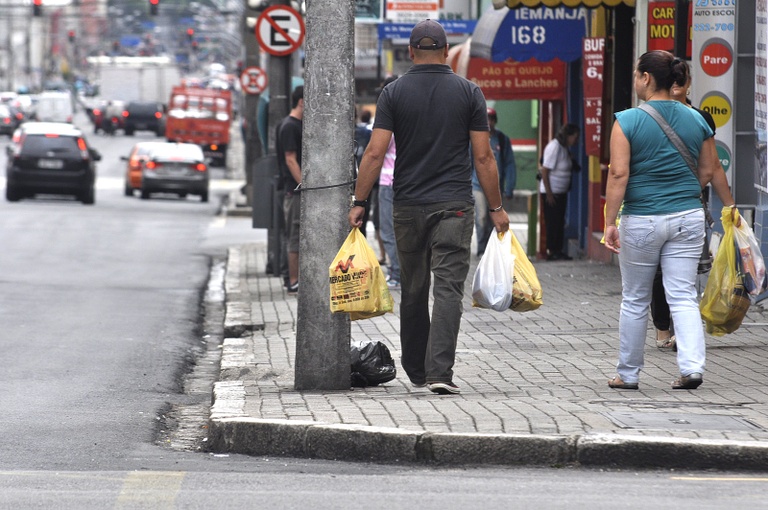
431,111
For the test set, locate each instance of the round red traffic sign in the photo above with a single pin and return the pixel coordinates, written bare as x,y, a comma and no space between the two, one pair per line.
253,80
280,30
716,57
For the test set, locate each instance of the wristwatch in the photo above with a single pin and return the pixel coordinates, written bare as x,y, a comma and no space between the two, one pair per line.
497,209
359,203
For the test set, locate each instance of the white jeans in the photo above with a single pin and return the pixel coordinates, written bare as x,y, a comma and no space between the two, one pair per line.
676,241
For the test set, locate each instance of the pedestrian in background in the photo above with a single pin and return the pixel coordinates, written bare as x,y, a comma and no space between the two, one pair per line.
557,167
386,205
288,149
386,221
433,205
505,162
662,220
665,337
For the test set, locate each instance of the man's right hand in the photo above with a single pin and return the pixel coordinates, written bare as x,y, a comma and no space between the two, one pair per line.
356,215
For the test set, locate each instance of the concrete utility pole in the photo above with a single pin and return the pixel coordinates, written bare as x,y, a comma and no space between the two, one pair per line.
322,339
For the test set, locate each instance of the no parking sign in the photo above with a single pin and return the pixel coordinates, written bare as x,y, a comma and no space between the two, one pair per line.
253,80
280,30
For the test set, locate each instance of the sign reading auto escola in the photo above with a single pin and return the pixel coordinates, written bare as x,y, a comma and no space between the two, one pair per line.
714,23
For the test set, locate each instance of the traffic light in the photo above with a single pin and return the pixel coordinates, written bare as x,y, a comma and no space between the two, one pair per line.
154,5
37,8
71,36
190,34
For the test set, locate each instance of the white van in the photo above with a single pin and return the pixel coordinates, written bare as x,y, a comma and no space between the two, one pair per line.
55,107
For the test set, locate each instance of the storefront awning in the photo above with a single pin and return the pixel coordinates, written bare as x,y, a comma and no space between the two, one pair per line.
522,34
568,3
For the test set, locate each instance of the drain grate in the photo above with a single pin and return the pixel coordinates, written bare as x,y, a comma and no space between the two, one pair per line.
681,421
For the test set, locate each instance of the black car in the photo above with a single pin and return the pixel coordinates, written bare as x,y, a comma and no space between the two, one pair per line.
144,116
9,120
51,158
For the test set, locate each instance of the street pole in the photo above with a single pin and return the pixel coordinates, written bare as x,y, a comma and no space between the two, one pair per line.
322,338
279,73
250,104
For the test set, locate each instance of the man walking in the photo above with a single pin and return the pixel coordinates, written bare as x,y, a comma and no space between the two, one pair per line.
505,162
434,115
288,149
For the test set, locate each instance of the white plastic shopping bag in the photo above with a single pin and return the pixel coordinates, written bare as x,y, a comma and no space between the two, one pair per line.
494,276
749,258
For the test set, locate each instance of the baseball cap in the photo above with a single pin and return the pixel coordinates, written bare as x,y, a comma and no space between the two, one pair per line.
492,113
431,29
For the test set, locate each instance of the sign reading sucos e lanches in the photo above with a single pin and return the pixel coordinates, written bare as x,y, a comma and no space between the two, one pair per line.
714,36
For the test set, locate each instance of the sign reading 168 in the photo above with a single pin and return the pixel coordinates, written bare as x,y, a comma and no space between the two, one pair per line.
528,35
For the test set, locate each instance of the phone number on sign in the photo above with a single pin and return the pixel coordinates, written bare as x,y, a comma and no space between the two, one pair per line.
713,27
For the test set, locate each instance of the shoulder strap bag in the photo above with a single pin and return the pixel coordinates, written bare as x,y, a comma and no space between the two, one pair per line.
673,137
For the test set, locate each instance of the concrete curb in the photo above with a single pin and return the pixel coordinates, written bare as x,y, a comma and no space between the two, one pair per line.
670,452
307,439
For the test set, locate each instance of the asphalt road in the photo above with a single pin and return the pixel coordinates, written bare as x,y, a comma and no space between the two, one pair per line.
100,306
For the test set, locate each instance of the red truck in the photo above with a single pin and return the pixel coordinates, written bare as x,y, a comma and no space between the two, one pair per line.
203,117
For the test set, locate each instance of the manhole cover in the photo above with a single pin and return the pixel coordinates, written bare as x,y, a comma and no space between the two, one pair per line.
681,421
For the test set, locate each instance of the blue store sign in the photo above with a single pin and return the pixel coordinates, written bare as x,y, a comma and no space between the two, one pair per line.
403,30
522,34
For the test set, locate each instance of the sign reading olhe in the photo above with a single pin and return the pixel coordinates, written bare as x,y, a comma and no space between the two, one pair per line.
518,80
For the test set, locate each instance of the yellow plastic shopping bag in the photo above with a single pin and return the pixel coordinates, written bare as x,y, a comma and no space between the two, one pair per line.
526,290
725,301
358,285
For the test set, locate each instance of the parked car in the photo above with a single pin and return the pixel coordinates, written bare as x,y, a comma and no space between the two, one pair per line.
136,159
9,120
144,116
178,168
51,158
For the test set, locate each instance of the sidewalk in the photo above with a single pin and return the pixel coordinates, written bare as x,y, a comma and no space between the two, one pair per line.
534,386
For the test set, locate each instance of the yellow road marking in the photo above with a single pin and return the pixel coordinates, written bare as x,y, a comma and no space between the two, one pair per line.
718,479
154,489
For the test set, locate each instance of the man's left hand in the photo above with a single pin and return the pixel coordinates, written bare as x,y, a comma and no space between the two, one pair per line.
500,220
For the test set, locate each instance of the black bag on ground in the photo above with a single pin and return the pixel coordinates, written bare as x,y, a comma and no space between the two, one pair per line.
372,364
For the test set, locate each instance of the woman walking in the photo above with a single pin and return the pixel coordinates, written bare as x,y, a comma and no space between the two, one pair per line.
662,220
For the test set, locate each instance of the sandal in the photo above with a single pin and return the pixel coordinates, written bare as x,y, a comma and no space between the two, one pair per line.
618,384
666,344
688,382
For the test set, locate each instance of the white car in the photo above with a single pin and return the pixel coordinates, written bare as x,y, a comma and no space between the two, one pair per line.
55,107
